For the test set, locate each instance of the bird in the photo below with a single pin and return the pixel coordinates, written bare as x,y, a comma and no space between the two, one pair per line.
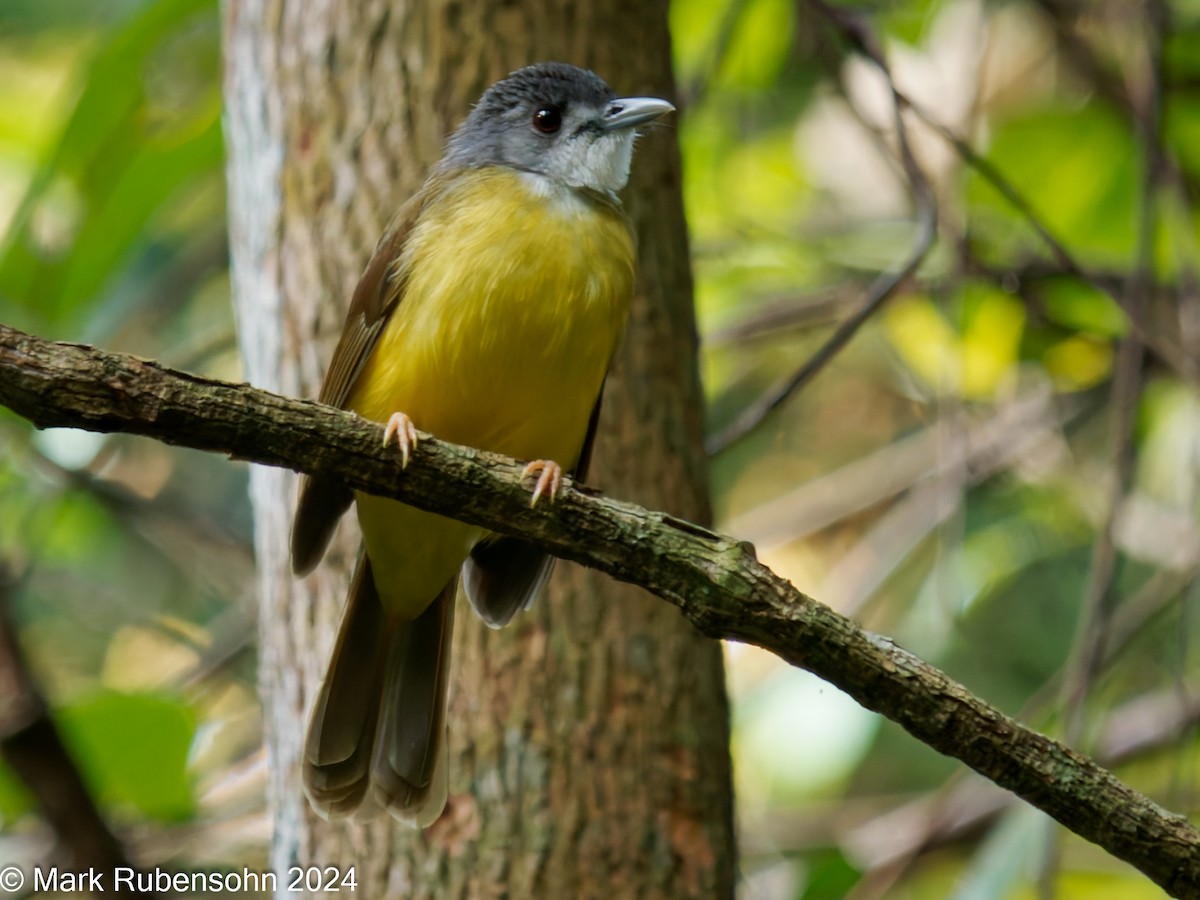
488,315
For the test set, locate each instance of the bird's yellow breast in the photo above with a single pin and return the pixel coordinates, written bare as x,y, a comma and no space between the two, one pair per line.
513,303
514,297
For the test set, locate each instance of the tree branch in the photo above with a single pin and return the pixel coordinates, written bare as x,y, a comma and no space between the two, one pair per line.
714,580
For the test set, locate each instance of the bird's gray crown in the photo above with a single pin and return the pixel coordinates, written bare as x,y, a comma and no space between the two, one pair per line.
553,120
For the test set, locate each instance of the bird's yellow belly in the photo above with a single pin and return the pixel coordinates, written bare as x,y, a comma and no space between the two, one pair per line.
512,308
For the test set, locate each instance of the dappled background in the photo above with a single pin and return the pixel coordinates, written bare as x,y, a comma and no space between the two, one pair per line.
998,469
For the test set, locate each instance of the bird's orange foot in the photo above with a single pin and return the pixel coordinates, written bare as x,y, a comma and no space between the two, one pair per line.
401,430
549,479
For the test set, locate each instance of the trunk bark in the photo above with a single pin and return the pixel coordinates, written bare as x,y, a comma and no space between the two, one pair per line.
589,740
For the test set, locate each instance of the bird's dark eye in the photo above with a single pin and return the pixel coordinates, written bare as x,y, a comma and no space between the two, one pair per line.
548,119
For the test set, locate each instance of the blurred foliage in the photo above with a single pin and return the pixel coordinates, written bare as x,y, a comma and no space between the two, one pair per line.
133,560
946,480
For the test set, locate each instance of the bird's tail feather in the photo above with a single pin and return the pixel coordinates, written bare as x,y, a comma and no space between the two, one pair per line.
377,738
341,733
408,768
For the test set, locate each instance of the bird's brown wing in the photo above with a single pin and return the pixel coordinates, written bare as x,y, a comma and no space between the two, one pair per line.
323,499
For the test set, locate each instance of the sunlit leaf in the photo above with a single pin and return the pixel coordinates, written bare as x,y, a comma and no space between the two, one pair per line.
925,341
1078,362
994,322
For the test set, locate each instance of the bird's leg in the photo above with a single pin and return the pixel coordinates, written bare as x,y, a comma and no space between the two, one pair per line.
400,428
549,479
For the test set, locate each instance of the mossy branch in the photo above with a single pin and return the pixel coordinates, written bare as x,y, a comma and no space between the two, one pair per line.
714,580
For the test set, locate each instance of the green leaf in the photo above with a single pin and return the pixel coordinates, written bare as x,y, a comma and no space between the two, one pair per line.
138,189
133,750
119,158
759,44
1077,168
1078,305
830,877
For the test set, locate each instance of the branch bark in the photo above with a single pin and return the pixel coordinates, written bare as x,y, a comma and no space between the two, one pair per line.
715,580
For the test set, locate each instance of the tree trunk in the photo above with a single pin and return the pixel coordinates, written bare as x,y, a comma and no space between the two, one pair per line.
589,740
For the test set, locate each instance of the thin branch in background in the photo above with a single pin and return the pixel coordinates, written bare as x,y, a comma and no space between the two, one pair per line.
1183,773
1107,84
1002,185
977,452
31,745
203,550
1144,118
1129,621
1170,351
231,637
1163,345
775,314
1185,306
1100,599
1097,75
989,444
857,32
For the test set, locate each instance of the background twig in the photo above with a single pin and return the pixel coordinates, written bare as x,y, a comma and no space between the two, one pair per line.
30,743
856,31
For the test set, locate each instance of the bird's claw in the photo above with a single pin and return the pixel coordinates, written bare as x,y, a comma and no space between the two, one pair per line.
400,429
549,479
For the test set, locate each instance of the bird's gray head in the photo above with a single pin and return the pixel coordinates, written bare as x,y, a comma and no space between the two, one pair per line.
558,121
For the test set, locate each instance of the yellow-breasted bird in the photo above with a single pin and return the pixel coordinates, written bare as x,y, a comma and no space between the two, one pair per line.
487,316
